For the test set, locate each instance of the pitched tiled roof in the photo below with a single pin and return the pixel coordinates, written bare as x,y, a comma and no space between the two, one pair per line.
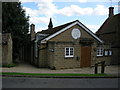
109,32
56,29
110,25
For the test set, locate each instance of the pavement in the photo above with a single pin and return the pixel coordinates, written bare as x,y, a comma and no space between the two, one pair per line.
27,68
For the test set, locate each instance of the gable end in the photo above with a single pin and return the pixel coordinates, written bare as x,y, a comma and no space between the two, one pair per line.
69,26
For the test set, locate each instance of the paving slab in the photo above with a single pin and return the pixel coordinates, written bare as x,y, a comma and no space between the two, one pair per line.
27,68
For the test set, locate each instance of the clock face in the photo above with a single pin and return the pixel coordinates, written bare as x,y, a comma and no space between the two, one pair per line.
76,33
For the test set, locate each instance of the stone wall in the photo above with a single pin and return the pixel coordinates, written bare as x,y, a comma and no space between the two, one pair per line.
96,59
60,61
0,33
7,49
43,56
65,40
0,49
53,55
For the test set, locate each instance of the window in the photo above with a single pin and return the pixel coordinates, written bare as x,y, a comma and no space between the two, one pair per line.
106,52
110,53
69,52
99,51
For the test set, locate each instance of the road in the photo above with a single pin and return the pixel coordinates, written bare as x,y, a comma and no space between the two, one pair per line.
22,82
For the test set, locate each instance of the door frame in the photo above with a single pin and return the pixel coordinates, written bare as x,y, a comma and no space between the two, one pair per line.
84,59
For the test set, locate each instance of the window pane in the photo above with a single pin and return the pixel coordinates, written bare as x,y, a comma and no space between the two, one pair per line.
67,49
71,52
99,51
67,53
71,49
106,53
110,53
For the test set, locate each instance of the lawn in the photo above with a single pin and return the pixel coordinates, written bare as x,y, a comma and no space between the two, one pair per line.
51,74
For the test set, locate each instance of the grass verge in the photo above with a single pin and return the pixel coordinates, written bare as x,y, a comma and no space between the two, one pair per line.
51,74
9,65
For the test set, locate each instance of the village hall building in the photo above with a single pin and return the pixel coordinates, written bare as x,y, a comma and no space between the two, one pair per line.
71,45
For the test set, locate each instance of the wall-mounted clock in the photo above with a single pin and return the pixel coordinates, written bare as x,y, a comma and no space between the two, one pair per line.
76,33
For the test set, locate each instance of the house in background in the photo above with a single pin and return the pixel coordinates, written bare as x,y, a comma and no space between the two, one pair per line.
109,32
71,45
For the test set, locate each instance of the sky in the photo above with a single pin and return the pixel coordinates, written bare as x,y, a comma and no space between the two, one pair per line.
91,13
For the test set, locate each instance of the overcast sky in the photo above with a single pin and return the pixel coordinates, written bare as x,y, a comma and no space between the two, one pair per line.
92,13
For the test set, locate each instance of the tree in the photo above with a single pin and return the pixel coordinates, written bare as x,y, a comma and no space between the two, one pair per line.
15,21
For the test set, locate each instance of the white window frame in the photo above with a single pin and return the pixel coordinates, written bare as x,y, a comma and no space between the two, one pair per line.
100,51
69,55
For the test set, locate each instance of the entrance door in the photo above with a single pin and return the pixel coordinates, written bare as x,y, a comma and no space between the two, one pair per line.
85,56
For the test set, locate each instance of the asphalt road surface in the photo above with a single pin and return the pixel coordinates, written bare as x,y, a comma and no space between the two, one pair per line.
21,82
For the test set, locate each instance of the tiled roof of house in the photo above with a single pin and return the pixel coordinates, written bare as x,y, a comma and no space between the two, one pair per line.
109,32
110,25
55,29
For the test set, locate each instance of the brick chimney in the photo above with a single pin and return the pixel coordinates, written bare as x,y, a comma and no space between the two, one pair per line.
32,31
111,11
32,28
